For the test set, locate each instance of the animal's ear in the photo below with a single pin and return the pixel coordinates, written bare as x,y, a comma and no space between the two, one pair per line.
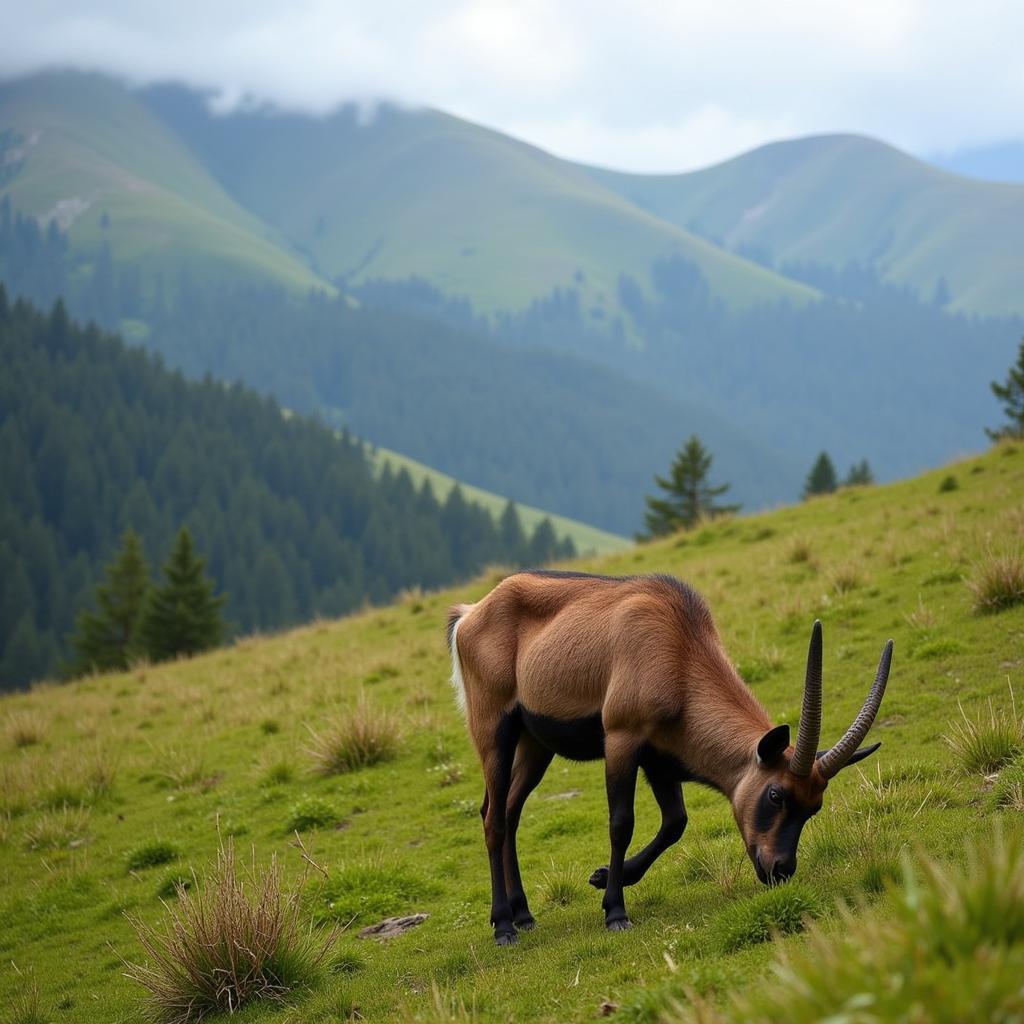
772,744
858,756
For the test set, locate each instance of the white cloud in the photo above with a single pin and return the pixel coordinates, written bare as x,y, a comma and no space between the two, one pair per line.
652,85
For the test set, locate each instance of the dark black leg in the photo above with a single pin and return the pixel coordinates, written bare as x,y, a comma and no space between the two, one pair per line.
669,795
531,762
498,777
620,779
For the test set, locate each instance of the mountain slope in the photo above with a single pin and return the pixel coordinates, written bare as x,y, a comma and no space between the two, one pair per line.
421,193
588,540
85,151
834,199
183,753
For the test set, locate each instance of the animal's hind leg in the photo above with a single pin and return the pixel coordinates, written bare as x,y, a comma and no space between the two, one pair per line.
531,762
496,747
669,794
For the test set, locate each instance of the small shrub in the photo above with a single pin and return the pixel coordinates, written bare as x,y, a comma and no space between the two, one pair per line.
311,812
55,830
235,940
347,962
952,951
270,726
846,577
280,773
778,910
174,883
949,483
1008,790
998,582
561,885
931,650
985,745
26,1004
152,855
25,728
356,739
706,861
799,551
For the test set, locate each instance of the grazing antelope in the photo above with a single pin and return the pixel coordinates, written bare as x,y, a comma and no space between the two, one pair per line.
632,669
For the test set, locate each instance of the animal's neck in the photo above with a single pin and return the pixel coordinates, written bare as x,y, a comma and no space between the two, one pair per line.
722,724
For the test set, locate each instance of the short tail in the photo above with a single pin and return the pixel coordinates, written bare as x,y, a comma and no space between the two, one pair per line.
458,684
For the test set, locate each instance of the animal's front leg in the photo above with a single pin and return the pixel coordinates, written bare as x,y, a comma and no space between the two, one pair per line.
620,754
669,795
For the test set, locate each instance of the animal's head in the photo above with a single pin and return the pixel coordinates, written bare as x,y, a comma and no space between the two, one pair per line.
785,785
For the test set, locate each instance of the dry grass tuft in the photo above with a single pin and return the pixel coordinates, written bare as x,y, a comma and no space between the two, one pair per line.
985,745
998,582
55,830
846,577
799,551
362,736
233,941
26,728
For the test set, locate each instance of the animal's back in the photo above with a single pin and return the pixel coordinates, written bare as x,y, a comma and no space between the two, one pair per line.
560,644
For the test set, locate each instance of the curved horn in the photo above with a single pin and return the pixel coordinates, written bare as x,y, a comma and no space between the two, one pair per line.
833,760
810,713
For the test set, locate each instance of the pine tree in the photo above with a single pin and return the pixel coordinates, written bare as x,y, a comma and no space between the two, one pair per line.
108,638
1011,394
860,473
688,495
182,616
513,539
822,477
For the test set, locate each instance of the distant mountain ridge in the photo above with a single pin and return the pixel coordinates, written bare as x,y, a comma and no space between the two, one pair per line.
843,199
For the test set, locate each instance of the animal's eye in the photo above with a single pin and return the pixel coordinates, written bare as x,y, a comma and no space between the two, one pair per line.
775,795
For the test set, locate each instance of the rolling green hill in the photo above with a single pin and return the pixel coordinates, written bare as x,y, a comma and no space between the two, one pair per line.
834,199
113,786
88,153
589,540
421,193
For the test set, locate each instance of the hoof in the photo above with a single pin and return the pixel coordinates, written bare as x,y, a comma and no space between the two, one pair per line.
621,925
525,923
599,879
506,938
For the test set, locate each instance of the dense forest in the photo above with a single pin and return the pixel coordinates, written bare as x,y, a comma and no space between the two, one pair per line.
869,371
553,428
96,437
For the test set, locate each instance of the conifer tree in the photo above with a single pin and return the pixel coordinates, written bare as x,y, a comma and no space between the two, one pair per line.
822,477
1011,394
510,530
688,495
182,615
860,473
108,638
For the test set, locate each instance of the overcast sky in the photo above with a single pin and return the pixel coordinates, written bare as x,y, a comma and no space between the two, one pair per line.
649,86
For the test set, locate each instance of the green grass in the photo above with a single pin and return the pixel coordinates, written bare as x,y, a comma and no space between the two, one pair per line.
400,842
589,540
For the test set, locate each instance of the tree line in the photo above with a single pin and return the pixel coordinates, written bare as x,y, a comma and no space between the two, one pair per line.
96,438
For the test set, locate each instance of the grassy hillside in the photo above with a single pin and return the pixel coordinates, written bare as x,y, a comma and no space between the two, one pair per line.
474,212
86,151
588,539
95,775
834,199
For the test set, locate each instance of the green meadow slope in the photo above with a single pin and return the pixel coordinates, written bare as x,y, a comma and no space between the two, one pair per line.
94,773
420,193
836,199
589,540
86,151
